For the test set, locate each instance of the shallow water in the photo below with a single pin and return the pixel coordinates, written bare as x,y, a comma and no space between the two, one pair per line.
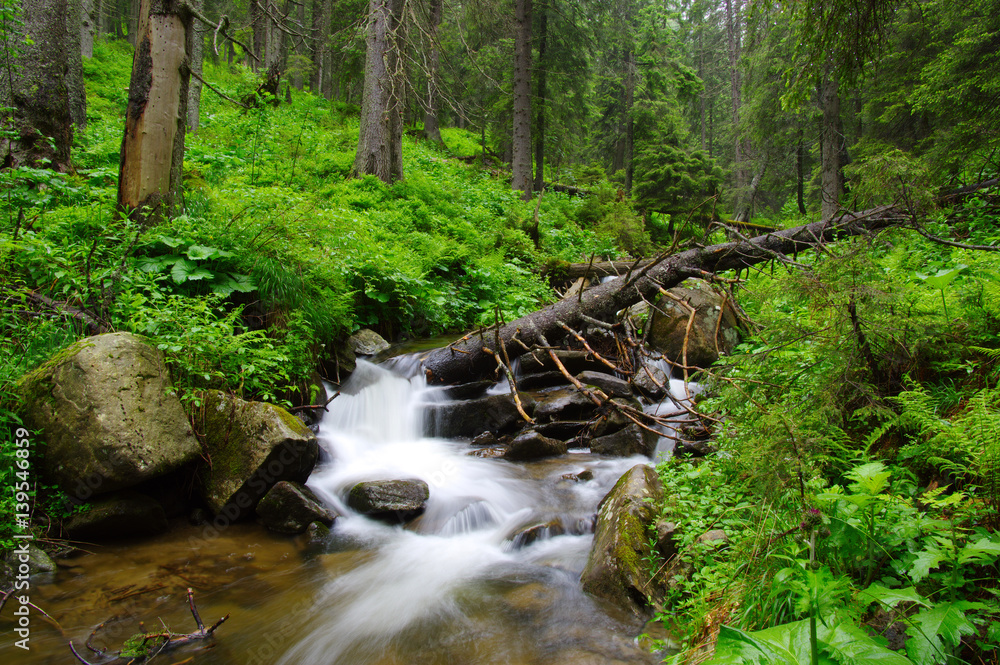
451,588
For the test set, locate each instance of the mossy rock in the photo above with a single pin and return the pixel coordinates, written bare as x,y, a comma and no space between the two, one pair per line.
621,563
291,508
108,415
715,329
250,446
390,500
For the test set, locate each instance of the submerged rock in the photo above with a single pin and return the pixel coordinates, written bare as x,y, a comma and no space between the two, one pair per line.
618,568
389,500
291,507
122,515
252,446
108,416
532,445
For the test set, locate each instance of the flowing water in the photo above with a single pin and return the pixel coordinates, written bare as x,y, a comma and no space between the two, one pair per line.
455,587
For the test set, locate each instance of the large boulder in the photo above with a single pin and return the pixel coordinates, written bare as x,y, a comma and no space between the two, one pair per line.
709,335
563,404
609,383
251,446
469,418
116,516
291,508
108,415
390,500
619,567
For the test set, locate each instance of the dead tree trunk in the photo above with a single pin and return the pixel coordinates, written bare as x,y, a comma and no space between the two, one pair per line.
474,357
152,152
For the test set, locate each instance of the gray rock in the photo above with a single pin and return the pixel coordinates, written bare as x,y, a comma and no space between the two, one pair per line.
473,390
652,387
390,500
314,539
631,440
290,508
118,516
564,404
610,384
366,342
108,416
618,568
708,337
666,539
469,418
489,452
531,445
252,446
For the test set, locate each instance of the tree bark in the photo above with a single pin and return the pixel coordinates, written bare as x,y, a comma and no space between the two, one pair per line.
152,152
197,57
89,26
629,157
521,145
473,358
543,29
432,128
320,34
831,141
380,139
43,85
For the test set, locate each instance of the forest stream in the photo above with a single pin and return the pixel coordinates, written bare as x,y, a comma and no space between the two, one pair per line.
453,587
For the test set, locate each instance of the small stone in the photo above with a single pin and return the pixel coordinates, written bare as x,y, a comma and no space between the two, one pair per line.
389,500
290,508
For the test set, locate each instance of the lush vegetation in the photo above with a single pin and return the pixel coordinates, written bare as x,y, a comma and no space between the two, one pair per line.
858,427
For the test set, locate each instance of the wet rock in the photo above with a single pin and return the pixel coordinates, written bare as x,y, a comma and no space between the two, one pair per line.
618,568
527,535
715,536
541,380
709,335
652,384
252,446
564,430
469,418
108,416
314,539
485,439
472,390
610,384
563,404
532,445
389,500
291,508
366,342
695,449
117,516
574,361
582,476
631,440
27,553
489,452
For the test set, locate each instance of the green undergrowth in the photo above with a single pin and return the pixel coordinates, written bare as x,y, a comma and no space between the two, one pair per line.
858,468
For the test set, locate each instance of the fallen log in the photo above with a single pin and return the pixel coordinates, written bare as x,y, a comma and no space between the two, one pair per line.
473,356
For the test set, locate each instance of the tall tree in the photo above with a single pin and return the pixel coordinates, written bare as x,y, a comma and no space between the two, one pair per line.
432,129
380,140
152,152
521,145
42,85
541,69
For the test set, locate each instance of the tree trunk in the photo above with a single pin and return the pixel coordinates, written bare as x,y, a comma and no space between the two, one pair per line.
380,140
320,32
89,26
543,28
432,128
521,143
473,358
831,180
629,157
258,22
152,152
800,174
197,51
43,87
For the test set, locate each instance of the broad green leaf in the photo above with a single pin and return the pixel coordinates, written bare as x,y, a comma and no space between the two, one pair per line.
737,646
200,252
170,242
199,274
983,551
182,268
849,645
943,277
877,593
935,632
872,477
926,560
